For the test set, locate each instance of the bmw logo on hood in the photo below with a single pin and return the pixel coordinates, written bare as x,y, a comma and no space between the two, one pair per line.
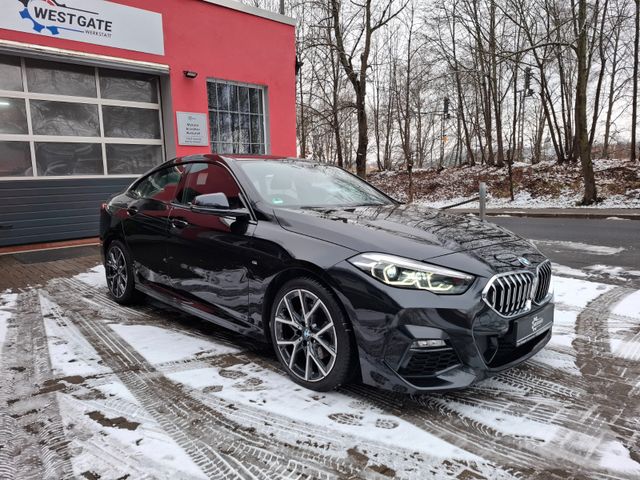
524,262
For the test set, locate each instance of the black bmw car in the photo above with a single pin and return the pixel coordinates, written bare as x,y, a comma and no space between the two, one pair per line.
345,282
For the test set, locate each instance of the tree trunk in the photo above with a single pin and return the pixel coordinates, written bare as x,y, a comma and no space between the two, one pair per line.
582,133
603,62
537,149
302,122
634,114
611,96
363,132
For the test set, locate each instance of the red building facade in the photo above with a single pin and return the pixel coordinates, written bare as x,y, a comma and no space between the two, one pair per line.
93,93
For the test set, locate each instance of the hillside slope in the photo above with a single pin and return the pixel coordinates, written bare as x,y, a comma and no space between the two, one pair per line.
544,185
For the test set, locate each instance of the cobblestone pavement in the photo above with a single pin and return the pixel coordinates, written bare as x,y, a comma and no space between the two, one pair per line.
91,389
35,268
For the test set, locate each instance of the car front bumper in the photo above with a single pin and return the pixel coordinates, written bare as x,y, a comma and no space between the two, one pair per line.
477,341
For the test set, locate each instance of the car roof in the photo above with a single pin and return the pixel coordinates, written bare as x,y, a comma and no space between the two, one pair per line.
214,157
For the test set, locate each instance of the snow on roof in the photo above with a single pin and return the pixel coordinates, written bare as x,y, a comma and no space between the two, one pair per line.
251,10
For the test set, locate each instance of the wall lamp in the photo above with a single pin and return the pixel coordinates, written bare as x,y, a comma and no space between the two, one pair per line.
190,74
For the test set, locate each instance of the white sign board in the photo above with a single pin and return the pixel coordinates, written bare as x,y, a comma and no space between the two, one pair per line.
90,21
192,129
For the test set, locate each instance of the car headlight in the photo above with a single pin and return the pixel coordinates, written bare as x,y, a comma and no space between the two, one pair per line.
404,273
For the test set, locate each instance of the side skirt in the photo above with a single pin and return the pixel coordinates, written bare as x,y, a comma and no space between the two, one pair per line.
196,309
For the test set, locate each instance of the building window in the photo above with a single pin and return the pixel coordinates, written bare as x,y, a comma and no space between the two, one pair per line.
237,118
61,120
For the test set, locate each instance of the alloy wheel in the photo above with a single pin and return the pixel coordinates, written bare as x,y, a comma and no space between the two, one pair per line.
116,268
305,335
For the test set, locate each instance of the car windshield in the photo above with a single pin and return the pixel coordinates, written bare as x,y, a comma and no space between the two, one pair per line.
307,185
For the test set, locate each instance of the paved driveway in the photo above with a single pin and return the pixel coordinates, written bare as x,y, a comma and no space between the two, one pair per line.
94,390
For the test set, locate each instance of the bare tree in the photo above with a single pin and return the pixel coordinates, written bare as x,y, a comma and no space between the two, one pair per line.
634,98
582,133
361,26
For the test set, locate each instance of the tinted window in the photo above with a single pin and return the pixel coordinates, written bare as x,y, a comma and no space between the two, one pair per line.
55,159
204,178
65,119
93,113
10,73
303,184
13,116
15,159
135,87
126,122
127,159
61,78
161,185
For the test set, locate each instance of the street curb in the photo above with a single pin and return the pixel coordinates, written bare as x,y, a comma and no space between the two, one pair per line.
538,214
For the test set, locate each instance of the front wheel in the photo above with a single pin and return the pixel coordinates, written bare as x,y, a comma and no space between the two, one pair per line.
310,336
119,272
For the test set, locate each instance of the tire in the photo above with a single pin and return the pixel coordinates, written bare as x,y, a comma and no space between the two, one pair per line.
316,351
119,273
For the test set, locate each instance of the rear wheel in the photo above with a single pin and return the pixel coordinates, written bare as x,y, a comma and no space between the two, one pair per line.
119,272
309,334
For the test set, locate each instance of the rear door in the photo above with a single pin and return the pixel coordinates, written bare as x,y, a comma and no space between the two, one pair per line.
209,253
146,226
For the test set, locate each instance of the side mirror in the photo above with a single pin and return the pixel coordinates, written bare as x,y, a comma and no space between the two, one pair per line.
211,200
218,204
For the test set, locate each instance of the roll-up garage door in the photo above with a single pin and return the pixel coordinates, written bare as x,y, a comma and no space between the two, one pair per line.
70,137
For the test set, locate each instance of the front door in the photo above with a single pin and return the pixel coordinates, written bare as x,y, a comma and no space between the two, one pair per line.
208,253
146,226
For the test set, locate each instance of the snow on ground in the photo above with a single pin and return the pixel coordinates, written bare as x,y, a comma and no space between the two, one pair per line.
160,345
600,273
524,200
582,247
104,419
577,293
545,185
7,304
623,327
94,277
612,272
144,393
333,410
629,306
70,353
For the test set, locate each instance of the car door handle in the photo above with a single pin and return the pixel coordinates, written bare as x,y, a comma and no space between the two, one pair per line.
177,223
132,210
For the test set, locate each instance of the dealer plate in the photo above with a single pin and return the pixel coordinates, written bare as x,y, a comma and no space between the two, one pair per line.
533,325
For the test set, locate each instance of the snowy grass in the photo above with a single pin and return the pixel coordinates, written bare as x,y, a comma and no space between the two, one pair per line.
524,200
545,185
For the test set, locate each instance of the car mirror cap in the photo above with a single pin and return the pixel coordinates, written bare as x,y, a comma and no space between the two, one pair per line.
212,200
238,213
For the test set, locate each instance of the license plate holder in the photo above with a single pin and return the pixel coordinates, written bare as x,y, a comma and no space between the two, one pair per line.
531,326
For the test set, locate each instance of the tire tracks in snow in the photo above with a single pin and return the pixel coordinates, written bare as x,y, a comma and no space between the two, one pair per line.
609,376
32,437
202,432
96,332
534,392
577,405
267,422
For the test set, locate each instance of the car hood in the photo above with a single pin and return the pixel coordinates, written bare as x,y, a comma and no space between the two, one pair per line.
411,231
